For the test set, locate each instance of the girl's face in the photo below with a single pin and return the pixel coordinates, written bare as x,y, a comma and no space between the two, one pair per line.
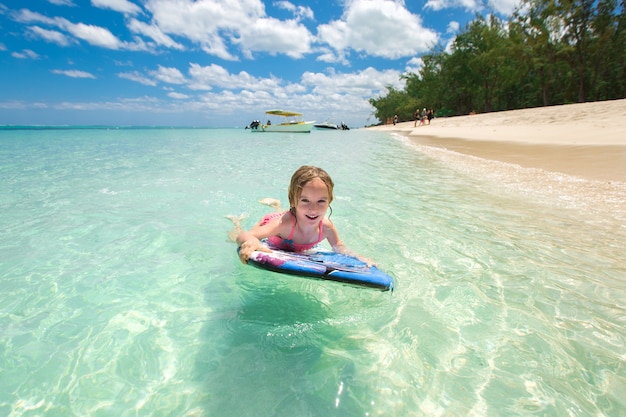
313,202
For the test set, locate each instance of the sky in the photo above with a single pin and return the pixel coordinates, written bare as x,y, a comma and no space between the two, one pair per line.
214,63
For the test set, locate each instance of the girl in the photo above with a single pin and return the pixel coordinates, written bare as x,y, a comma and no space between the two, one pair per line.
304,225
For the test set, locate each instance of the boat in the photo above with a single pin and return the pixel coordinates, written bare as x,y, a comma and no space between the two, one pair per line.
326,125
290,121
331,126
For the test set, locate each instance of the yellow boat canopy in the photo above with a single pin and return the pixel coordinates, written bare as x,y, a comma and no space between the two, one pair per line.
284,113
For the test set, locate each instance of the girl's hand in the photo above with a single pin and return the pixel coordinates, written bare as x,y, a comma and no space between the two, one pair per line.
340,248
249,246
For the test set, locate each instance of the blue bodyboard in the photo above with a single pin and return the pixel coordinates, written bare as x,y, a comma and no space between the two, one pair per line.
323,264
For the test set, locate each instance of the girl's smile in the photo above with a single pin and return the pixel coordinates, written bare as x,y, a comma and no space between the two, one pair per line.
314,200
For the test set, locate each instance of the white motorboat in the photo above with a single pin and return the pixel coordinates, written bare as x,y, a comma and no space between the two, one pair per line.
288,121
325,125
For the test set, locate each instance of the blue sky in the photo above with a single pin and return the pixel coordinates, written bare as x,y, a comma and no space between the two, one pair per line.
217,63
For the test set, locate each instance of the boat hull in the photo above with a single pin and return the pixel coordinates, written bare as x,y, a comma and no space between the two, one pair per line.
326,126
302,127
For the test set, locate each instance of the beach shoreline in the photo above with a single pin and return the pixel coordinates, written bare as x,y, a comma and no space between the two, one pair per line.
586,140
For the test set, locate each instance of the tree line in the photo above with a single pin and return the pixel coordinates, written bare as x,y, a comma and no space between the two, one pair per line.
548,52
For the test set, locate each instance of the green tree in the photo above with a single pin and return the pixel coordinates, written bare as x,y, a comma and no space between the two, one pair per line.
394,103
426,87
549,52
606,52
577,15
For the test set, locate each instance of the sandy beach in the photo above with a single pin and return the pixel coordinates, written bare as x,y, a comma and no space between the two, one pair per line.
586,140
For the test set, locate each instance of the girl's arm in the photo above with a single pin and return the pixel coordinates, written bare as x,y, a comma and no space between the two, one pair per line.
250,240
332,235
330,232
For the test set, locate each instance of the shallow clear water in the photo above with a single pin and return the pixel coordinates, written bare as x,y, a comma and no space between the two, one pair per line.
121,295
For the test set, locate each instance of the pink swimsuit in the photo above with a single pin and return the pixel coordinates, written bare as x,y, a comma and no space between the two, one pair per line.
287,244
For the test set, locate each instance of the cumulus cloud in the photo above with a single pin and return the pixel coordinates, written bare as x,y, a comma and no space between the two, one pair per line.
62,2
379,28
275,37
208,77
219,25
177,96
27,16
92,34
331,91
122,6
137,77
414,65
238,29
52,36
25,54
74,73
169,75
469,5
504,7
453,27
300,12
230,28
154,32
365,83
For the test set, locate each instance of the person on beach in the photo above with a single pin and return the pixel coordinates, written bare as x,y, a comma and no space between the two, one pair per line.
301,227
416,117
423,119
430,115
395,119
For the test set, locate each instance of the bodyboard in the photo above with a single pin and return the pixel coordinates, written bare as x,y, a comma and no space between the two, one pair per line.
323,264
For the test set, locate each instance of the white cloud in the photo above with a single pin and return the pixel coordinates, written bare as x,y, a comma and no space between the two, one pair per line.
62,2
365,83
137,77
94,35
153,32
275,36
74,73
378,28
468,5
177,96
453,27
50,35
205,78
326,55
217,25
504,7
300,12
318,95
414,65
25,54
26,16
169,75
122,6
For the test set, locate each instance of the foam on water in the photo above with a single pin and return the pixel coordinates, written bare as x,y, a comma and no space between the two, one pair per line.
121,294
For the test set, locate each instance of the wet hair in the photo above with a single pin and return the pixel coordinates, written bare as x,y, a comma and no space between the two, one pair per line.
301,177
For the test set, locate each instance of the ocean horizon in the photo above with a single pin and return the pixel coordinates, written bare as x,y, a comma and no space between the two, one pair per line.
122,295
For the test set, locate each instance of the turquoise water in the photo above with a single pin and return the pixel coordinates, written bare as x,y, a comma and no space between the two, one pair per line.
121,295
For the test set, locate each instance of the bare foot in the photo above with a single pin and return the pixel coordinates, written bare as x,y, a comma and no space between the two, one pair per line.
272,202
232,235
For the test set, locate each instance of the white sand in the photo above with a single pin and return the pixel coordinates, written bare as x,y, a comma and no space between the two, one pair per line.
586,140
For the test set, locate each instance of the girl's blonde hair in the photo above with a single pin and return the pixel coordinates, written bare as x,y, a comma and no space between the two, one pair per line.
301,177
